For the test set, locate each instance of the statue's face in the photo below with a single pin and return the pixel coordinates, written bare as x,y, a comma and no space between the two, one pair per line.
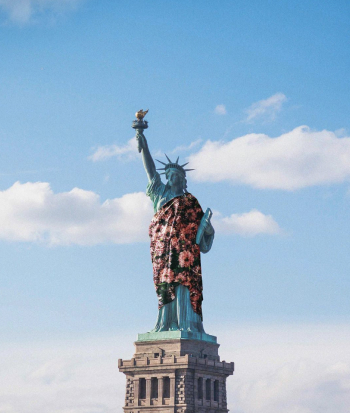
175,178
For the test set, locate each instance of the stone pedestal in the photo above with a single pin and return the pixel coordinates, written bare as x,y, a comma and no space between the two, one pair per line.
175,375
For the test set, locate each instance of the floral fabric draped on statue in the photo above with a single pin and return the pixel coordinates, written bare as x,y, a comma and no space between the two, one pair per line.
175,255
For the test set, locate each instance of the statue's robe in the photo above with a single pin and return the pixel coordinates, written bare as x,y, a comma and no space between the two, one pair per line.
174,252
176,258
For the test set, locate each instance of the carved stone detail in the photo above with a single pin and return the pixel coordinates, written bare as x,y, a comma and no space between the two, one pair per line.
180,369
129,395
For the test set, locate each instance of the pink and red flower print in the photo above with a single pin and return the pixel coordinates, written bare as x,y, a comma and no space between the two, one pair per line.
175,254
186,259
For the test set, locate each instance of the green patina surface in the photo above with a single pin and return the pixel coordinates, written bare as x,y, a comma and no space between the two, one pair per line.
171,335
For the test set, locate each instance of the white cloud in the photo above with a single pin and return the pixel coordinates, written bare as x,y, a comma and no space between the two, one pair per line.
181,148
129,151
21,11
247,224
220,110
184,148
266,109
297,159
281,368
126,152
52,371
290,369
66,377
299,387
32,212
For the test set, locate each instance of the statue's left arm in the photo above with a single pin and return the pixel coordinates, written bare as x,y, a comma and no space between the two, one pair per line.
205,233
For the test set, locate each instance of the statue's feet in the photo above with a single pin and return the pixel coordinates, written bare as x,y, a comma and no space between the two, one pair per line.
173,327
157,329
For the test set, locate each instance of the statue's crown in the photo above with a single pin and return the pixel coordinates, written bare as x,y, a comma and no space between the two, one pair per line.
173,165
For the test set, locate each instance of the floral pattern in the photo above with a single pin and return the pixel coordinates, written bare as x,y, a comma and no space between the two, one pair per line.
174,252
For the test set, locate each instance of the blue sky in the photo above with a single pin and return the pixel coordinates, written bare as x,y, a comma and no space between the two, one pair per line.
254,94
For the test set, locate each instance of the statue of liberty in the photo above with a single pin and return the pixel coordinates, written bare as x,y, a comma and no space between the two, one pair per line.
179,231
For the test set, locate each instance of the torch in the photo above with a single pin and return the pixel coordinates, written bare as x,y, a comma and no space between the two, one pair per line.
140,125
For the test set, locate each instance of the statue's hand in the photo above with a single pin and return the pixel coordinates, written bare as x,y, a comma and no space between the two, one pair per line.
141,141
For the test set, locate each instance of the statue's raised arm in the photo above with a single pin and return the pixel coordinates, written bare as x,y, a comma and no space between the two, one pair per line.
147,159
140,125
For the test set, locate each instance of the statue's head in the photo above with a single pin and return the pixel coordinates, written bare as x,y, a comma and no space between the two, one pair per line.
175,173
176,179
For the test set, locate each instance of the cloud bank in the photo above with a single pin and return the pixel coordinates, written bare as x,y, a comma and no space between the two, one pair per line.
266,109
298,159
32,212
22,11
289,369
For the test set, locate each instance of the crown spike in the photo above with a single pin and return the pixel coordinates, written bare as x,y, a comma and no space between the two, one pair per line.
168,158
161,162
160,169
177,160
189,170
163,173
184,164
